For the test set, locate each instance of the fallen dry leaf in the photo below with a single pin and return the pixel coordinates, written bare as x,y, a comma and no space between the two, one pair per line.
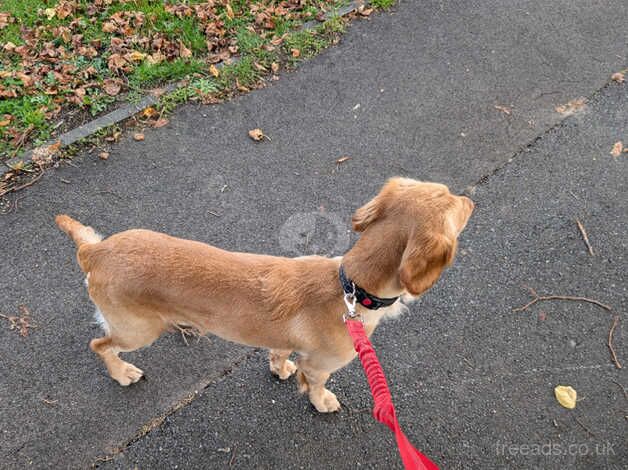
161,122
112,87
503,109
343,159
618,77
103,155
114,137
5,19
50,13
20,323
45,152
572,106
256,134
138,136
566,396
184,51
260,67
214,70
230,14
295,52
274,67
364,11
617,149
150,112
137,56
4,123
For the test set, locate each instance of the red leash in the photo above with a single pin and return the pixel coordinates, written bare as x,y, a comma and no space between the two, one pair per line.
383,408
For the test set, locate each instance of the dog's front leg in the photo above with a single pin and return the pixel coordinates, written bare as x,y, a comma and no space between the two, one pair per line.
312,380
280,365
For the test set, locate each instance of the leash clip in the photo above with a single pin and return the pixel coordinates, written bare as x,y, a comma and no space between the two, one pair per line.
350,301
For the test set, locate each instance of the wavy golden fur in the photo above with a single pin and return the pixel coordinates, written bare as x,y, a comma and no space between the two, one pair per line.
145,282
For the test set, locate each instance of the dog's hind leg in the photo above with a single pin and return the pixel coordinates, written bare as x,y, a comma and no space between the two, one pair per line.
280,365
123,372
312,380
133,334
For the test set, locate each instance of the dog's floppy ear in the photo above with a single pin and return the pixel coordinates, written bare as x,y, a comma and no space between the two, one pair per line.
366,214
423,261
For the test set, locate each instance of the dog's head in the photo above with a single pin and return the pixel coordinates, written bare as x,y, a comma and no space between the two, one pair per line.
422,221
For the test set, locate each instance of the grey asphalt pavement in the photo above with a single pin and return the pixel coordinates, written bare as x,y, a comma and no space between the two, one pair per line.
411,92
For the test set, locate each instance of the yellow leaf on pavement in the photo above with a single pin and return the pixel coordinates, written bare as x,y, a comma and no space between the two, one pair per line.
566,396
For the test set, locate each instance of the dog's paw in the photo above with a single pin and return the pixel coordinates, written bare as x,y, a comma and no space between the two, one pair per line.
285,370
325,402
127,374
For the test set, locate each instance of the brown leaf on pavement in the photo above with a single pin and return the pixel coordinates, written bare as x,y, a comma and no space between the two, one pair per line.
572,106
161,122
103,155
618,77
138,136
617,149
44,153
504,109
256,134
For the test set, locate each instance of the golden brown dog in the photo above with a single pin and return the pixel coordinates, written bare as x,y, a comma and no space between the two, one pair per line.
145,283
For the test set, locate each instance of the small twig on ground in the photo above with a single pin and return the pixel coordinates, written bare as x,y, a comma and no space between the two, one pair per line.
233,455
584,236
584,426
623,389
49,402
215,214
610,342
16,201
13,206
469,363
25,185
22,139
106,191
307,242
539,298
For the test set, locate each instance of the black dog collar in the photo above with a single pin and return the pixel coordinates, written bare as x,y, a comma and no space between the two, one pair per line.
362,297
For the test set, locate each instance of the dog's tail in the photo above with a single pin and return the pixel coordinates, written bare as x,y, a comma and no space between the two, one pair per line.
77,231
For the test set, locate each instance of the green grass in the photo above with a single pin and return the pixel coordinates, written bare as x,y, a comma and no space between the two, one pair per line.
308,43
146,74
382,3
36,109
